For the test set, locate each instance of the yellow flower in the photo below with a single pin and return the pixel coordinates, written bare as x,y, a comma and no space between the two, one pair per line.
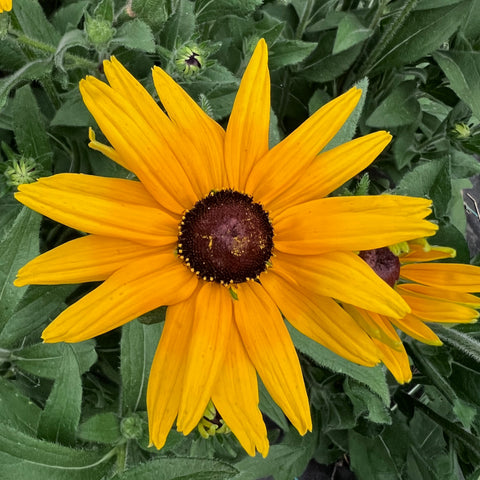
5,5
435,293
228,233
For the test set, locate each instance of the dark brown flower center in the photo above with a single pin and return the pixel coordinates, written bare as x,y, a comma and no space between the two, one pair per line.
384,263
226,238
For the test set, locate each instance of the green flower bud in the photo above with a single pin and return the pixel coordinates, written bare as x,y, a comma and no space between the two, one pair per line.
190,59
461,130
132,427
99,31
22,170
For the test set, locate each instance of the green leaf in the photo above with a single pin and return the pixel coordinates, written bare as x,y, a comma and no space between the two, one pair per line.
101,428
29,128
69,16
40,304
348,129
136,35
33,21
72,38
180,468
289,52
104,10
463,72
73,113
31,71
459,340
180,26
373,377
138,346
153,12
60,417
17,410
270,408
206,10
19,245
43,359
421,34
350,32
398,109
22,456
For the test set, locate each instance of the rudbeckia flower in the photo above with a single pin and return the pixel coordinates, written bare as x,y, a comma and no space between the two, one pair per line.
5,5
435,293
227,233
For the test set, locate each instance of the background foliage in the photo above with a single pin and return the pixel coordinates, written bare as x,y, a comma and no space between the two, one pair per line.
78,411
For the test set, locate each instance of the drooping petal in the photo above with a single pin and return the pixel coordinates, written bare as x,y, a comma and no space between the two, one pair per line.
442,293
331,169
351,223
414,326
274,173
139,145
166,377
321,319
137,288
87,259
344,276
109,152
109,207
396,361
235,395
453,276
193,123
210,334
417,253
246,138
375,326
272,352
438,310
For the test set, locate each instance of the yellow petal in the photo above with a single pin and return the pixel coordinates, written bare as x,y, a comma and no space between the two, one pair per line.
235,395
210,333
272,352
321,319
87,259
417,253
396,361
110,207
206,134
351,223
246,139
331,169
437,310
414,327
135,289
5,5
375,326
452,276
286,162
173,141
139,145
165,382
440,293
344,276
105,149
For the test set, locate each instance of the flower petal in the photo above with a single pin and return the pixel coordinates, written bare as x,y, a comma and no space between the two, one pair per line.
289,159
396,361
110,207
440,293
351,223
135,289
139,145
210,333
414,326
344,276
87,259
109,152
331,169
452,276
417,253
321,319
246,138
235,395
272,352
193,123
438,310
166,377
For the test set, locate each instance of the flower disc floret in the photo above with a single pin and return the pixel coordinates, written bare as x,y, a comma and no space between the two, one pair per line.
226,238
384,263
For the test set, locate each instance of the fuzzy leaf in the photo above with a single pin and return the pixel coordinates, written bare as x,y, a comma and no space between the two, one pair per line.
101,428
136,35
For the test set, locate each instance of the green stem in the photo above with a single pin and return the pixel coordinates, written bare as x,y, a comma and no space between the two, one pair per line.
121,457
45,48
387,36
